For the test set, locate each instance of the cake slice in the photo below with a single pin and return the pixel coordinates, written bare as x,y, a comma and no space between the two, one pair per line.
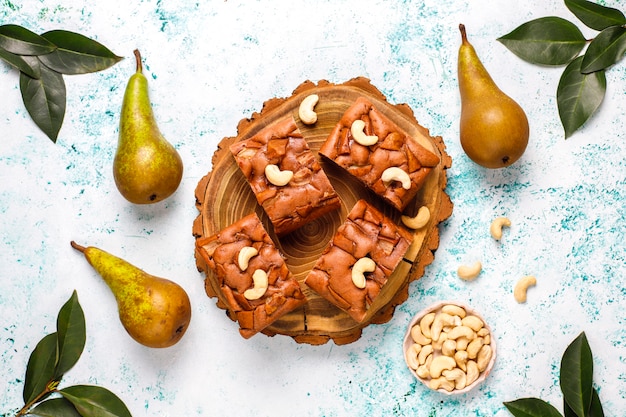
371,147
285,176
249,275
369,241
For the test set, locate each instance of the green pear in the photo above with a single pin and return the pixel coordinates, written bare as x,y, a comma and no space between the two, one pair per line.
494,128
154,311
146,168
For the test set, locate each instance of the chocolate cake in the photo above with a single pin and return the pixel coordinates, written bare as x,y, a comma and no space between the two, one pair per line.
250,275
305,195
383,150
366,233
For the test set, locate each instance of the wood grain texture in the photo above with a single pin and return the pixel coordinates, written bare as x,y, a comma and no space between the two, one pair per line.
223,196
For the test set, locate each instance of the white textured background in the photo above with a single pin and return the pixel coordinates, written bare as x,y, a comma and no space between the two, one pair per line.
212,63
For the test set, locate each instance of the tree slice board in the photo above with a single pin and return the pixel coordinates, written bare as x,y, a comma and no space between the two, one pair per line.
223,196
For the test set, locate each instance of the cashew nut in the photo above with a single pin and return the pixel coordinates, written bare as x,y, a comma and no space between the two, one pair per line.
519,292
472,372
418,336
458,376
460,358
441,382
474,323
424,354
359,269
396,174
454,310
441,319
260,285
462,343
449,347
276,176
483,358
474,347
424,370
357,129
438,344
461,331
305,111
496,227
440,364
245,254
425,323
411,355
420,220
469,272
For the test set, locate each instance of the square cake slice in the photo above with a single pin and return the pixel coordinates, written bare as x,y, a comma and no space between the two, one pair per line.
369,241
371,147
250,275
304,195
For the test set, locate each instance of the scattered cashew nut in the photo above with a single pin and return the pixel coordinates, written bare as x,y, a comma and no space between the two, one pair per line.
469,272
496,227
519,292
245,254
276,176
396,174
305,111
357,129
420,219
359,269
259,277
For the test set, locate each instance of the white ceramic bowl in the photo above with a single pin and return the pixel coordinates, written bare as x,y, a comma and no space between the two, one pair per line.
408,343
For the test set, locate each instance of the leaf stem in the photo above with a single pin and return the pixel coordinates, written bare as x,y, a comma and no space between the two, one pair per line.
50,388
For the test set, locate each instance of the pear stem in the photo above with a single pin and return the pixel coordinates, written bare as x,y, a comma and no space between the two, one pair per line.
138,60
77,246
463,33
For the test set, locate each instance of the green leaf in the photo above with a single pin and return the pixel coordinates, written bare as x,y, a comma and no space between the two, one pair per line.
576,375
567,410
596,407
29,65
605,50
91,400
531,407
77,54
21,41
44,99
578,96
545,41
40,368
71,335
56,407
594,15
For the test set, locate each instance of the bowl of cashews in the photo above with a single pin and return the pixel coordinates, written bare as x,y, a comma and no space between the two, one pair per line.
449,347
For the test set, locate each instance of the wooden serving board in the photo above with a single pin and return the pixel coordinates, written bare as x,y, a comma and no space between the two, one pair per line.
223,196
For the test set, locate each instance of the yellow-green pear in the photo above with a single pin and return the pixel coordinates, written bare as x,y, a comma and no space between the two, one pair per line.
146,168
494,128
154,311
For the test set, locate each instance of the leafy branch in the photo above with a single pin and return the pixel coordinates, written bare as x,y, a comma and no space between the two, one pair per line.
42,61
580,398
55,355
555,41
